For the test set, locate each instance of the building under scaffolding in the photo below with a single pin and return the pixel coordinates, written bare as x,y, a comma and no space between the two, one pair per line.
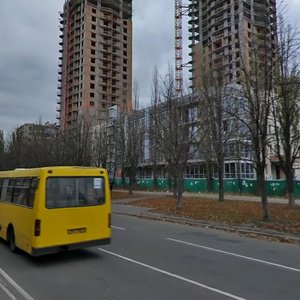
95,63
222,33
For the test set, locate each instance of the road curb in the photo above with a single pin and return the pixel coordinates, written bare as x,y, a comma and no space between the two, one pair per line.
224,227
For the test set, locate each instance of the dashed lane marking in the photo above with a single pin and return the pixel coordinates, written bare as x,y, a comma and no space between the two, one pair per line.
236,255
174,275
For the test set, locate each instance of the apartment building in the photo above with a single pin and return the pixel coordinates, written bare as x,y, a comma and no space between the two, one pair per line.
222,33
28,131
95,63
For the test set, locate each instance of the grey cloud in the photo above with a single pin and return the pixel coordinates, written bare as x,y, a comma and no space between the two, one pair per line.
29,53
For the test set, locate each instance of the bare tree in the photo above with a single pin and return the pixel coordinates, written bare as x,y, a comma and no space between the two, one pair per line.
175,133
155,99
100,145
286,104
39,148
129,139
2,151
257,80
218,127
15,151
77,143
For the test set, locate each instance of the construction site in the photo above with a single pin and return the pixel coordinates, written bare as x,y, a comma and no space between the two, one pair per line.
95,63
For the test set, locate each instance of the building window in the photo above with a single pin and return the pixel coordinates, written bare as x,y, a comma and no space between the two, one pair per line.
247,170
195,171
230,170
92,103
92,95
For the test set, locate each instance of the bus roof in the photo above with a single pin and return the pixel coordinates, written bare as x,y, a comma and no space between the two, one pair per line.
53,170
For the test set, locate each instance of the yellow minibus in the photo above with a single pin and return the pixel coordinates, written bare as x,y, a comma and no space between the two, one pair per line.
50,209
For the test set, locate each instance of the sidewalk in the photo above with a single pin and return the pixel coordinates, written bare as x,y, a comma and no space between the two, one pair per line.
122,206
235,197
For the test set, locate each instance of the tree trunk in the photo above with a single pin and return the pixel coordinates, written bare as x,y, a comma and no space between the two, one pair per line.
221,177
179,204
155,182
290,189
209,177
123,177
131,182
221,187
175,186
263,195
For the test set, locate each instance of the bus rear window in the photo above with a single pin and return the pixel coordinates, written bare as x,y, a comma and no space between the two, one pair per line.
74,191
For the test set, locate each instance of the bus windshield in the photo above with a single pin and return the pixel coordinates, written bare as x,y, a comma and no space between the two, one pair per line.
64,192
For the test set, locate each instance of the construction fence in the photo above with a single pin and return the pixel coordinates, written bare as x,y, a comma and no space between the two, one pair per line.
275,188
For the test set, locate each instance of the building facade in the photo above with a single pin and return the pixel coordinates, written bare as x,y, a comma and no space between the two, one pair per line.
222,33
29,131
95,63
238,155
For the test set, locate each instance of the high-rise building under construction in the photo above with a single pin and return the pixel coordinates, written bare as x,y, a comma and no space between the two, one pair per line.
95,63
222,33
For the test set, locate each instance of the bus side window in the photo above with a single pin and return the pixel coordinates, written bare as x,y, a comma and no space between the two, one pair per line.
25,191
31,191
9,191
4,189
1,184
17,191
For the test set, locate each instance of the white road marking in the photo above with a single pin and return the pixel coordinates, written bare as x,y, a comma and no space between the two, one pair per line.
116,227
7,291
236,255
15,285
174,275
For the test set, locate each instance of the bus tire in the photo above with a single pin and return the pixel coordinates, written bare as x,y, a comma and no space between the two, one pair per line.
11,240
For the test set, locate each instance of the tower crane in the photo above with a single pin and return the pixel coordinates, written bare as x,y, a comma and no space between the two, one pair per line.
178,48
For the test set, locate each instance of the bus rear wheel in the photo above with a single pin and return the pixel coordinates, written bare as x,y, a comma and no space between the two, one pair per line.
11,240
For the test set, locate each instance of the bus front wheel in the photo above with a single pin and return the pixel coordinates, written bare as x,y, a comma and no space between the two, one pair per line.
11,240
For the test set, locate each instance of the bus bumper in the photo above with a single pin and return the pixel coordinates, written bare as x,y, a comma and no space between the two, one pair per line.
55,249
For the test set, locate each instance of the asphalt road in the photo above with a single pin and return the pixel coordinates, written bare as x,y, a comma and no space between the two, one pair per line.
156,260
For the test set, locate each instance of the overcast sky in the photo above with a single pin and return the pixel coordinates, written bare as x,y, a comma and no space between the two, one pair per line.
29,54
